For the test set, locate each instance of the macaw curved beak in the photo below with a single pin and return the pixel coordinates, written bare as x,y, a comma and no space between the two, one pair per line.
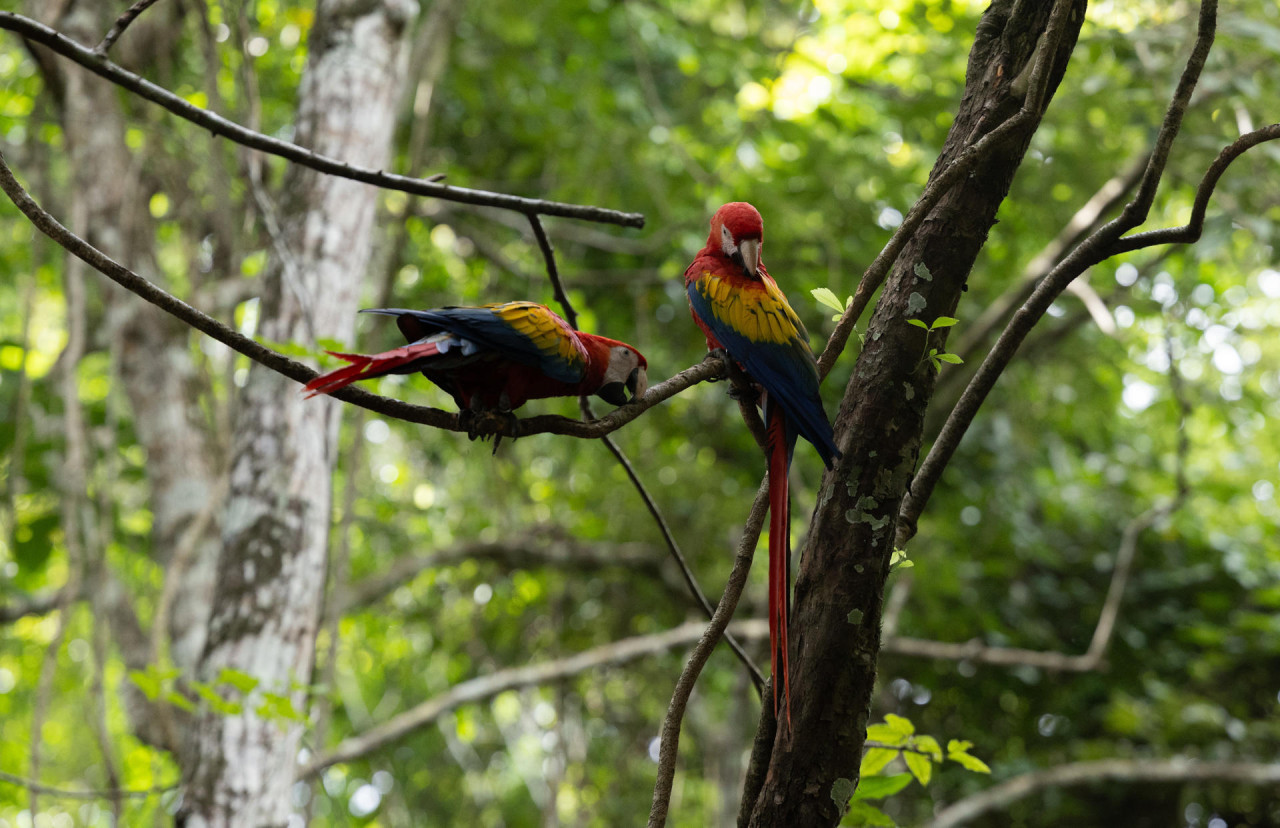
747,256
621,393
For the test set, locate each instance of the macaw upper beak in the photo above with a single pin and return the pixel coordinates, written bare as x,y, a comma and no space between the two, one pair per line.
747,256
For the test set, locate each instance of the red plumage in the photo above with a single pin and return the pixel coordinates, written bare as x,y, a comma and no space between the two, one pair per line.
739,308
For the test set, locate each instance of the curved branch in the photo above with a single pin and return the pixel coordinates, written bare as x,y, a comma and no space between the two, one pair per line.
669,745
484,687
1103,770
1195,226
88,58
294,370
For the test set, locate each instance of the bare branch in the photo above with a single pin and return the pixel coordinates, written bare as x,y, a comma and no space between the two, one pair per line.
542,424
669,745
1099,771
122,23
484,687
1195,226
65,793
99,65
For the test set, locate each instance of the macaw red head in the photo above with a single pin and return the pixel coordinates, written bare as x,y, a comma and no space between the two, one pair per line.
738,231
625,376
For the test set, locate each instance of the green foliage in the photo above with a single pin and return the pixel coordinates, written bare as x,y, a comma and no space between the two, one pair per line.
829,118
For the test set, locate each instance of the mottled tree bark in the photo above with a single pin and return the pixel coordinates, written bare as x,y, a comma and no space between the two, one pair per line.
270,575
805,776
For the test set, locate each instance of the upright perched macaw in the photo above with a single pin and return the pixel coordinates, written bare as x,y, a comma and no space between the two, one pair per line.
741,310
496,357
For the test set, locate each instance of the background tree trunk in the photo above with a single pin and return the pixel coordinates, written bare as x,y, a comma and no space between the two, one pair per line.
270,575
840,589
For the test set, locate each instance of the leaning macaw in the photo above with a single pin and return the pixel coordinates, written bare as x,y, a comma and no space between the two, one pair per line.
741,310
496,357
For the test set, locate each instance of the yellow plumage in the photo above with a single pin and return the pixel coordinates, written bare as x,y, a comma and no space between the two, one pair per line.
546,330
761,315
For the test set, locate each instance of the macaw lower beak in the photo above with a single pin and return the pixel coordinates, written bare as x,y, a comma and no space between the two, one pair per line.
619,393
747,256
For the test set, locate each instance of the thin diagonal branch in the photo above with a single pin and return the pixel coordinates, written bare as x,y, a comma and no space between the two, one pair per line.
424,415
669,744
757,677
122,23
99,65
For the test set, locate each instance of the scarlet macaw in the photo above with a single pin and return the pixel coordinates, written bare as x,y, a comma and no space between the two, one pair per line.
496,357
741,310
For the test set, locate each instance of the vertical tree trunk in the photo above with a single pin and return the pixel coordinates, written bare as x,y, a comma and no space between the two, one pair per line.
806,776
270,575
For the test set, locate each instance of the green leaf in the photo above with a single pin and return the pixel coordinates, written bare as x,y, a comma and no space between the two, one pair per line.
920,766
875,759
929,745
906,564
943,322
968,762
919,323
952,358
885,734
900,724
878,787
860,813
826,297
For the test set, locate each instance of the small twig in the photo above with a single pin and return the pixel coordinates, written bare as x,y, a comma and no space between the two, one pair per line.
62,45
48,790
669,744
553,272
396,409
122,23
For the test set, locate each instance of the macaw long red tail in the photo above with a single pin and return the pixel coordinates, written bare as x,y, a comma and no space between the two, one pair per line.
779,555
365,367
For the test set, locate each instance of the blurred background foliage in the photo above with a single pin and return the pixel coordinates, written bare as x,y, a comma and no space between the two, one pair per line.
827,116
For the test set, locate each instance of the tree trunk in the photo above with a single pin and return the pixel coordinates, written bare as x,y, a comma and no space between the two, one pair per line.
270,575
806,776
